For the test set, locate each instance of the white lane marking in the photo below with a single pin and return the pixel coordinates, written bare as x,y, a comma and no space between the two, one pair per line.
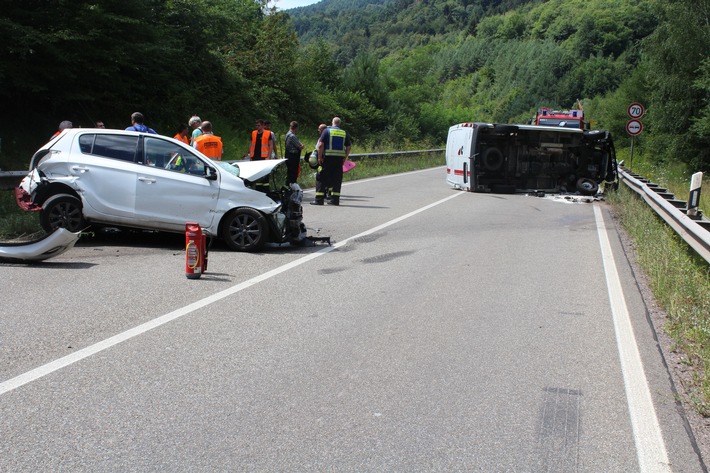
51,367
650,448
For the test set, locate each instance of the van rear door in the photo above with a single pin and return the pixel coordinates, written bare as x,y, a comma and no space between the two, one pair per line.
458,156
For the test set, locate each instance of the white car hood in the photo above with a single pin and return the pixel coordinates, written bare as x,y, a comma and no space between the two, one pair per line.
254,170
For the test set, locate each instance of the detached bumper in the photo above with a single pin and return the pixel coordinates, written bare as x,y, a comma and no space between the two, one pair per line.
54,244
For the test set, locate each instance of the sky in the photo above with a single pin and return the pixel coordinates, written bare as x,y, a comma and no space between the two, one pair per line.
286,4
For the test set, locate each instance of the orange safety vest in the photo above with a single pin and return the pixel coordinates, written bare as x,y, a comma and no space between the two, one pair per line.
210,146
265,138
182,138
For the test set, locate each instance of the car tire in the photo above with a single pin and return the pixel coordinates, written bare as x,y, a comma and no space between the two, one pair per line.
587,186
62,210
245,229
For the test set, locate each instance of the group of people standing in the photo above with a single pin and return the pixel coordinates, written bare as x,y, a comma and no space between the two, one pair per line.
332,149
201,137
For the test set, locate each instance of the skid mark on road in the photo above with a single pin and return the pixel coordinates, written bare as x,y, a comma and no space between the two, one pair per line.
560,429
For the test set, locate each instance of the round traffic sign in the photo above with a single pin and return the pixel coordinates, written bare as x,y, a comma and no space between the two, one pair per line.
634,127
635,110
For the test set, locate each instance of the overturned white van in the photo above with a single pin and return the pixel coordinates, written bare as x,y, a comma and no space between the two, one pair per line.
487,157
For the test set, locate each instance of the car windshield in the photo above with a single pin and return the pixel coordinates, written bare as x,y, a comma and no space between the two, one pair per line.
232,169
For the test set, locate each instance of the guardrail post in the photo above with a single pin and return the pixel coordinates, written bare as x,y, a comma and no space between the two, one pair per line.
696,182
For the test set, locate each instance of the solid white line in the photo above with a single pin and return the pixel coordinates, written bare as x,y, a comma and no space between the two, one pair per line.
650,448
51,367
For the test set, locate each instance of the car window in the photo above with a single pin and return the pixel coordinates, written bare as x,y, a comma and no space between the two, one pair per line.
164,154
109,146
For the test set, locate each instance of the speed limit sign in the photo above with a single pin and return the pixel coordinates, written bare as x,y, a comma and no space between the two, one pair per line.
635,110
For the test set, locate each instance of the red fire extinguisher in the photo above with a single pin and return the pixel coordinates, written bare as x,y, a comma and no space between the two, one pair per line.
195,251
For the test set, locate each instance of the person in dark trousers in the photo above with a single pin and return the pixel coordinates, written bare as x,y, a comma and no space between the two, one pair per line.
293,147
333,149
318,167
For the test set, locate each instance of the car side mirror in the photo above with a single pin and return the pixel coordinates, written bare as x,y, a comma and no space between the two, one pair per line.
210,173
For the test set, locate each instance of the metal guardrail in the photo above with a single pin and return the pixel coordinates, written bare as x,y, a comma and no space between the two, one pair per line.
695,231
356,157
11,179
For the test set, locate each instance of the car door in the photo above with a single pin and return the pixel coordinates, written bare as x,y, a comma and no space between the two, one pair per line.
105,175
172,188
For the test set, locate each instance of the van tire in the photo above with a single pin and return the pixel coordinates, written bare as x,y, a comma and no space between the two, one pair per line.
587,186
492,159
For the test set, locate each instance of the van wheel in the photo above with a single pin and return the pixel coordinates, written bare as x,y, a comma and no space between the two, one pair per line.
245,229
492,159
587,186
62,210
595,136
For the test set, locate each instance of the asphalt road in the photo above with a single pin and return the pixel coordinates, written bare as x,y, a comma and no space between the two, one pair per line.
442,331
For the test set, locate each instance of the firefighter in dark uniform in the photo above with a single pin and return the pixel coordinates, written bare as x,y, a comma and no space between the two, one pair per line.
333,150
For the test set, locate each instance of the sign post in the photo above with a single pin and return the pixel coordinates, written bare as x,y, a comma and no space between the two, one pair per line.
696,183
634,126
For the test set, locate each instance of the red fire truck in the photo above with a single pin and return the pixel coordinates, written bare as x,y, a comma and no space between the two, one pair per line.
561,118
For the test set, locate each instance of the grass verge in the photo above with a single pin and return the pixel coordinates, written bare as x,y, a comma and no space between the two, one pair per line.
680,281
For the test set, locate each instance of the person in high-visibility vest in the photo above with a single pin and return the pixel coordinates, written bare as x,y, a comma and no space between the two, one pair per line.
208,143
333,149
262,146
181,134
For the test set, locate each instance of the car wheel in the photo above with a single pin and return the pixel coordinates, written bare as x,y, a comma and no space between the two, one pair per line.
62,210
587,186
245,229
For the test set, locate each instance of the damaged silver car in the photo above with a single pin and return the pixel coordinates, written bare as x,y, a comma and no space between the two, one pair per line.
119,178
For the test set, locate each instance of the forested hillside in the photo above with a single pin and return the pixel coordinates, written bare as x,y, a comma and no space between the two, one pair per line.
399,72
434,62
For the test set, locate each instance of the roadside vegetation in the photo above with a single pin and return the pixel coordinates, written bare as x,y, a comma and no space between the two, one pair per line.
678,277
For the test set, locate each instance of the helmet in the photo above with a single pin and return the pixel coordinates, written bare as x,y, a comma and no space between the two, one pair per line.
313,160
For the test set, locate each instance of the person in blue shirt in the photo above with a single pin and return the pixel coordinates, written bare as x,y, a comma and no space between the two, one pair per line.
137,124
